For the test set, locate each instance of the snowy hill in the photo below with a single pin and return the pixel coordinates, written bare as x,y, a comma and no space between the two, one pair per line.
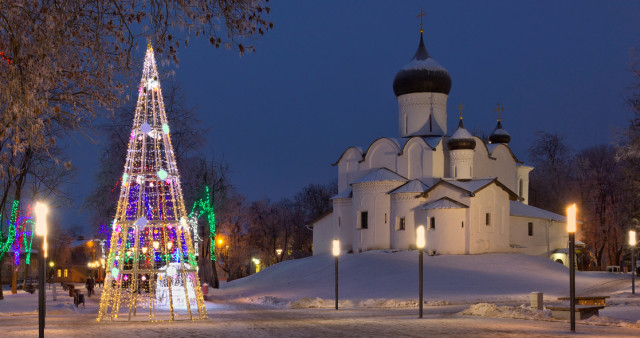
392,278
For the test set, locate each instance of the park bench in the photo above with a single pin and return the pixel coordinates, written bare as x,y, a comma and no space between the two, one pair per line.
589,300
613,268
582,311
30,288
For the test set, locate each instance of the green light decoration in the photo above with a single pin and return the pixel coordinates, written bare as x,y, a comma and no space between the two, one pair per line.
11,232
205,207
165,128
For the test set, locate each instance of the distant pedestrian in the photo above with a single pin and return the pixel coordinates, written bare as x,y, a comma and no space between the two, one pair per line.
89,285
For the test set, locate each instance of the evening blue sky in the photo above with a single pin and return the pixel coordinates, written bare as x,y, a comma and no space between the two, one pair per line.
321,81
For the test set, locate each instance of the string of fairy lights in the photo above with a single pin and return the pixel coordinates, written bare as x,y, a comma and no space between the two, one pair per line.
204,206
151,261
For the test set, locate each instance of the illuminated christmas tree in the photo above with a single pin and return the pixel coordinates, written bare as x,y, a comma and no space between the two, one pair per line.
151,264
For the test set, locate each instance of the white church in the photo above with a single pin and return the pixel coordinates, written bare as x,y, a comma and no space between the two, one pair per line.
469,194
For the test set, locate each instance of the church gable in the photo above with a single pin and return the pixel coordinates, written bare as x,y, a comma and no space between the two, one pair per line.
383,152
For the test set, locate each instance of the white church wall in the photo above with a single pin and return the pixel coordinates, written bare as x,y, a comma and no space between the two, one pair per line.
504,167
523,182
438,162
481,161
444,231
323,233
343,222
404,206
414,156
372,198
489,233
546,235
422,114
349,168
382,153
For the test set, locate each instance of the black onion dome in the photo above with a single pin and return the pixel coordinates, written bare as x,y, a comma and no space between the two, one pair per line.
422,74
461,139
499,135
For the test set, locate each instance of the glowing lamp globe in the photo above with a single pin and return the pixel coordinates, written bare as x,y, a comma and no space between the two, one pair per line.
571,218
41,219
632,238
336,247
420,238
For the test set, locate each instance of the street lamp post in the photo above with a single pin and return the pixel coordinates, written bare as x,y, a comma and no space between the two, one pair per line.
336,253
632,243
420,243
41,231
571,229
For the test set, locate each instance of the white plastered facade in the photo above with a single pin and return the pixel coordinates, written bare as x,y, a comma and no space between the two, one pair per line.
464,202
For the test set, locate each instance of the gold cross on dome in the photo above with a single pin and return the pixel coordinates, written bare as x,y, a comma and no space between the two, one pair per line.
422,13
499,110
460,107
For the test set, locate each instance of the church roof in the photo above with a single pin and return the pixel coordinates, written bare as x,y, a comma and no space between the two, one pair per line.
422,75
380,174
471,185
499,135
432,141
525,210
474,185
443,203
461,139
413,186
491,147
347,193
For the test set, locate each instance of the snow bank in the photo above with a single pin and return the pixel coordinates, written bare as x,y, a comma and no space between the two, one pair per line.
392,276
493,310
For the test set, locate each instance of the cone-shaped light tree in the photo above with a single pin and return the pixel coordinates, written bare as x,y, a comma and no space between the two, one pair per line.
151,264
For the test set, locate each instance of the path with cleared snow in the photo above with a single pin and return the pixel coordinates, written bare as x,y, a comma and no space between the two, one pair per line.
250,320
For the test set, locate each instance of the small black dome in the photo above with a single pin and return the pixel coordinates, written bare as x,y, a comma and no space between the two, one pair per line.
461,139
422,75
499,135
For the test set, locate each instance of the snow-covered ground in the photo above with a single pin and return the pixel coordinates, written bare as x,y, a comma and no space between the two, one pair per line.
464,295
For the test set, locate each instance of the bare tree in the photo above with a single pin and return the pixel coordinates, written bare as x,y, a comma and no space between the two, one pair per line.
602,193
62,62
551,183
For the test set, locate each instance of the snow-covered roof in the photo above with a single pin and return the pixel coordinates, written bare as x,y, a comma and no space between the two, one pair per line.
462,133
500,131
524,210
443,203
432,141
413,186
380,174
347,193
471,185
426,64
